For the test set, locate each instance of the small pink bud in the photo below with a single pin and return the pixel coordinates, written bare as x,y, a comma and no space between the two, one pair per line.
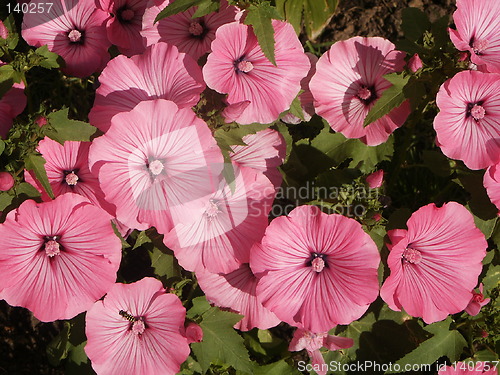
377,217
6,181
193,332
41,121
4,33
415,63
375,179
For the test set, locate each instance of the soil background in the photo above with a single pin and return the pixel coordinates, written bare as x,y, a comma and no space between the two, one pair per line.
23,339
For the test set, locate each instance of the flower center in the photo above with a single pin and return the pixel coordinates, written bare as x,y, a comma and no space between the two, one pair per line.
71,178
244,66
213,209
477,112
138,327
195,28
478,46
156,167
317,262
364,93
127,14
52,248
412,256
75,36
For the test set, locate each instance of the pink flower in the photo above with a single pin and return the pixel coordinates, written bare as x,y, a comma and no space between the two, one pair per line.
264,152
191,35
68,172
75,30
4,33
313,342
306,99
12,103
154,163
316,270
477,301
469,368
468,124
491,182
415,63
219,236
124,24
348,82
193,332
435,263
237,67
477,31
161,72
57,258
137,329
375,179
237,291
6,181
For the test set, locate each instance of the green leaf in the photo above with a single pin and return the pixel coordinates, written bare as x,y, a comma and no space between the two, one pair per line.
13,37
142,238
164,264
276,368
445,342
27,189
2,147
125,244
260,17
291,11
391,98
177,6
64,129
5,200
220,341
51,59
492,278
6,78
317,15
296,108
59,347
283,129
437,163
36,164
205,7
414,24
485,226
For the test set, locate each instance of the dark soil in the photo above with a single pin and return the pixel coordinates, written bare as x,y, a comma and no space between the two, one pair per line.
23,340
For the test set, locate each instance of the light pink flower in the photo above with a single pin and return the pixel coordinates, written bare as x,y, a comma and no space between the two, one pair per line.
6,181
124,24
137,329
12,103
478,32
313,342
219,236
375,179
237,67
154,163
75,30
264,152
67,168
477,301
348,82
306,99
191,35
237,291
435,263
467,368
468,124
316,270
491,182
161,72
57,258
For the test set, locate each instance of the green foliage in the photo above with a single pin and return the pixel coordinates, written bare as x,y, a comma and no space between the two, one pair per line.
177,6
205,7
63,129
414,24
36,163
260,17
48,59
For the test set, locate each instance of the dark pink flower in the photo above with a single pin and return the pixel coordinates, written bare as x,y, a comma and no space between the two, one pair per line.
137,329
415,63
468,124
161,72
12,103
491,182
237,291
6,181
435,263
313,342
469,368
264,152
67,168
57,258
477,301
220,235
375,179
316,270
237,67
478,32
191,35
124,24
75,30
348,82
154,163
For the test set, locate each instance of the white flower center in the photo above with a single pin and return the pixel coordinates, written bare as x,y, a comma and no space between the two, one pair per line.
52,248
71,179
75,36
156,167
245,66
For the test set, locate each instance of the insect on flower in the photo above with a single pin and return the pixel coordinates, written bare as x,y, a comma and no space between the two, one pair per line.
127,316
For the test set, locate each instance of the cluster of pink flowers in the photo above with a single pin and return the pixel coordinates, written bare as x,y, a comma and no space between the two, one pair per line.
158,165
